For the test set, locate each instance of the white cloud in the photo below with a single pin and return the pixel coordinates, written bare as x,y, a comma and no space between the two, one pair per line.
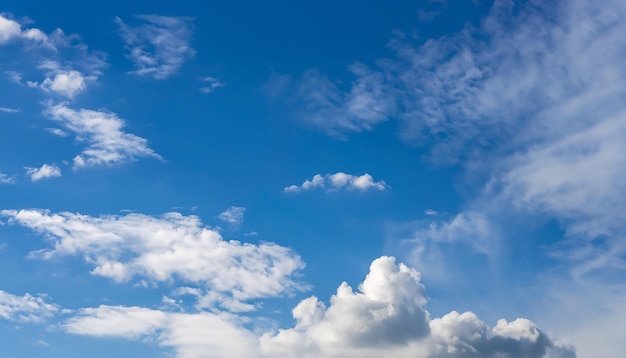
45,172
368,103
9,29
58,132
159,47
386,318
108,143
5,179
169,248
9,110
25,309
233,215
339,181
199,335
211,84
12,30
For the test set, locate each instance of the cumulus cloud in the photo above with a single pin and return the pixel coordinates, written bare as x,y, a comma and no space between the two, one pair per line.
337,181
233,215
25,309
167,248
45,172
386,318
62,81
160,46
103,132
211,84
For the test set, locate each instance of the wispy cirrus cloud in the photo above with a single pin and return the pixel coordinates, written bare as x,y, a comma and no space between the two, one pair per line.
103,132
5,179
160,46
338,181
210,84
46,171
9,110
529,98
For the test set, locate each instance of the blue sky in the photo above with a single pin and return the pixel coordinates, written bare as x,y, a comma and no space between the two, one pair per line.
353,179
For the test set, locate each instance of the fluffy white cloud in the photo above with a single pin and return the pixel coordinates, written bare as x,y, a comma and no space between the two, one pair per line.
9,29
160,46
386,318
339,181
46,171
199,335
25,309
170,248
233,215
103,131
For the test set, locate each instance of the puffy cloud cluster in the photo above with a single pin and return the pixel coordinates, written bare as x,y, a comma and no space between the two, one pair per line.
160,46
103,131
171,248
25,309
337,181
385,317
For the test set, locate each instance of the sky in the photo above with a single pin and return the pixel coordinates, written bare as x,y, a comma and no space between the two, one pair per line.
425,179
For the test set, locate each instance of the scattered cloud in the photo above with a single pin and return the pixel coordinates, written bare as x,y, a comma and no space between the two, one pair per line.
233,215
65,82
5,179
211,84
25,309
368,102
160,46
431,212
45,172
161,249
58,132
337,181
10,110
108,143
194,335
11,30
384,317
